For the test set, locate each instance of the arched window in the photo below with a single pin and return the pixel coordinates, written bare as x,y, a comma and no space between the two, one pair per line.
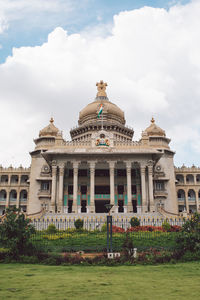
181,194
190,178
180,178
14,179
24,179
3,195
198,178
13,195
191,195
4,179
23,195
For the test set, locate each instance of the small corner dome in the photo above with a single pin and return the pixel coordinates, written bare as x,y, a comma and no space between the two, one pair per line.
49,130
154,130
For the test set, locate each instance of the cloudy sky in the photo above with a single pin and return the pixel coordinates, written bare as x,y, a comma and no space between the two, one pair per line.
52,53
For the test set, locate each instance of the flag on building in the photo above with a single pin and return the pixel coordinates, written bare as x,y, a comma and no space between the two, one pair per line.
100,110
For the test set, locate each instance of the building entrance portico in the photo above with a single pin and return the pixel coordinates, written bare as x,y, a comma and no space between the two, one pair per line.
86,186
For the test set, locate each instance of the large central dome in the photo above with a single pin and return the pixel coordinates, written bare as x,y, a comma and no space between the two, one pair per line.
111,112
101,114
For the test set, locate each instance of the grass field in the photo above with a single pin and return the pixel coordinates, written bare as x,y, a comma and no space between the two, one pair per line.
96,241
180,281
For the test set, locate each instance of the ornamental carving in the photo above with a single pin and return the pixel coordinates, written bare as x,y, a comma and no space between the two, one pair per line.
101,87
102,141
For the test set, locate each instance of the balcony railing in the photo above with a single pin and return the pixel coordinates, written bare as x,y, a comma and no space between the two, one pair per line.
191,199
160,193
44,193
181,199
180,183
13,199
23,199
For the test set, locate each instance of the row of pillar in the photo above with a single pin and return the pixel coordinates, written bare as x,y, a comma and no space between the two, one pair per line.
17,199
128,208
187,204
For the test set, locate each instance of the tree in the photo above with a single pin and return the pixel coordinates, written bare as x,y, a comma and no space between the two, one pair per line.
16,232
189,237
135,222
78,224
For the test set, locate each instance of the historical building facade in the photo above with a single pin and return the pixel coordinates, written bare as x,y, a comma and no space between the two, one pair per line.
100,165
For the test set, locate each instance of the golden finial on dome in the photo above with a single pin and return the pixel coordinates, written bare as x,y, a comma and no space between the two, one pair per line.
51,120
152,120
101,87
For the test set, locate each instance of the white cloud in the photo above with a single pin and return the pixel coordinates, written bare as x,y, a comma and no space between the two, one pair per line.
150,61
31,14
3,22
17,8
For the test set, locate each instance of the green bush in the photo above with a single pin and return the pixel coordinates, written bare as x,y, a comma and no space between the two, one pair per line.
51,229
166,226
189,237
104,228
4,252
134,222
78,224
15,232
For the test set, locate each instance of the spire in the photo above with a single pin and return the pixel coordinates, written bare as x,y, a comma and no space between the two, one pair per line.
152,120
101,88
51,120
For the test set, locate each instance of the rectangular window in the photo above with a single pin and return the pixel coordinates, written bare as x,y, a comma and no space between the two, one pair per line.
45,186
160,186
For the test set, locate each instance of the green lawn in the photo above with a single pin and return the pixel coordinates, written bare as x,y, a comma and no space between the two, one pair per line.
180,281
96,241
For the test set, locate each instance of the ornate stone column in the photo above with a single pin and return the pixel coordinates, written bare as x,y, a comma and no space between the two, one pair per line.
112,184
184,179
129,193
197,200
53,188
7,197
186,201
143,183
195,179
92,184
18,198
60,188
75,205
150,179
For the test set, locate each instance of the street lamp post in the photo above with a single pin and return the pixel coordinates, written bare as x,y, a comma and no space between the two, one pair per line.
109,228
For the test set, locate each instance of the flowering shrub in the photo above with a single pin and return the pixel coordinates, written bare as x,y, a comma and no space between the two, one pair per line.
116,229
174,228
